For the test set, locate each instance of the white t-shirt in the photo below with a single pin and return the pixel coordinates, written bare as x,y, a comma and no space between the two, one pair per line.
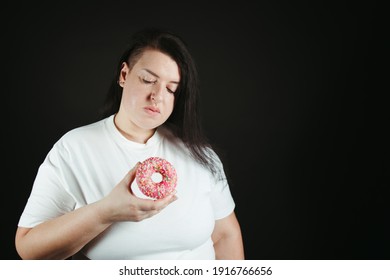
89,161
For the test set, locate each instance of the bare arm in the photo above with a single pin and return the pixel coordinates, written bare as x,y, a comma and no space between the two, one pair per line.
64,236
227,239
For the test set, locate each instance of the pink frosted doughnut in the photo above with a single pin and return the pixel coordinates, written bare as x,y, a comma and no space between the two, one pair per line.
145,182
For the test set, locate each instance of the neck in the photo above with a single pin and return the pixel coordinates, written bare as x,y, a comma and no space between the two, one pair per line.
132,133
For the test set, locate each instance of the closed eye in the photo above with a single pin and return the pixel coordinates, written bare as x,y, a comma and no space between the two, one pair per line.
170,91
145,81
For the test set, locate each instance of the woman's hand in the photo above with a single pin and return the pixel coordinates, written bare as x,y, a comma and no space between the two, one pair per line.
122,205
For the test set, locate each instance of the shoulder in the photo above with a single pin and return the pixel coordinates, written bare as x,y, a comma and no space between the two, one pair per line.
170,139
86,130
84,135
166,132
179,147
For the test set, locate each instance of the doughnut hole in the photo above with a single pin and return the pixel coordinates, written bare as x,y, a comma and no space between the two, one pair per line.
156,177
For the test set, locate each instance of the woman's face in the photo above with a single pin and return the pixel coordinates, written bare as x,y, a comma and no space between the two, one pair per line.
148,90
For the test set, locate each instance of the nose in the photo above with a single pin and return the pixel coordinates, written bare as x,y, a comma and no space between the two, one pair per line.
156,95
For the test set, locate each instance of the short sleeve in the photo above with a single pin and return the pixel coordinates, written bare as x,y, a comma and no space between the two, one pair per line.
221,197
48,198
222,200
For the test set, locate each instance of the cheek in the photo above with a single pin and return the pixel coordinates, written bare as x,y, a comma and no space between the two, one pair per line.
170,103
131,96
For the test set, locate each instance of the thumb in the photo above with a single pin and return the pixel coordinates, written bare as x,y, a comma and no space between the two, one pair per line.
130,176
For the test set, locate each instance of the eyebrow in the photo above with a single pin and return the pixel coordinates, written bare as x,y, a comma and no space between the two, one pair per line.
157,76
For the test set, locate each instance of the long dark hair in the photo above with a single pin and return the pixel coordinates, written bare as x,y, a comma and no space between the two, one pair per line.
185,121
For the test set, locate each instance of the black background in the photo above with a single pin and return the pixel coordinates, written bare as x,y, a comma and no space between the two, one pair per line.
290,95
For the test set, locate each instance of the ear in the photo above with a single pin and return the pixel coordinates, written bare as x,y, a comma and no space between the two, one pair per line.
123,73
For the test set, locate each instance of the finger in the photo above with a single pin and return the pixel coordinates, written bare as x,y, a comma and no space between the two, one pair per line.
159,204
134,169
166,200
130,176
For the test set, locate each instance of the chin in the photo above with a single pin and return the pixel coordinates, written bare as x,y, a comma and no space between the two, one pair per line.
149,126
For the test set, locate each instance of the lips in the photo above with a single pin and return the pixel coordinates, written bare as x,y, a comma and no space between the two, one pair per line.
152,109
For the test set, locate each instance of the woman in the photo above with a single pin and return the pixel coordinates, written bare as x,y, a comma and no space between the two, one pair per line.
83,202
